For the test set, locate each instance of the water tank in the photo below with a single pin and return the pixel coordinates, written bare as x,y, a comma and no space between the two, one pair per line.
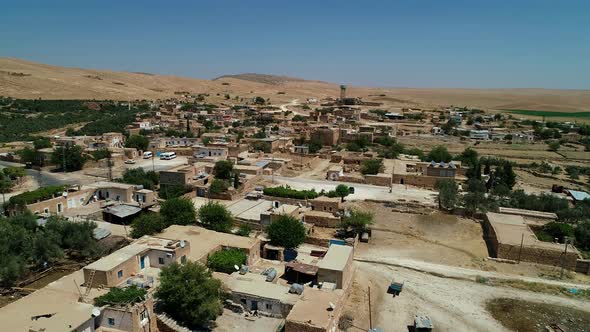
296,289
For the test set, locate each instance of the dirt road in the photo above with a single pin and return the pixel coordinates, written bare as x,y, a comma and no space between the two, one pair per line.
453,305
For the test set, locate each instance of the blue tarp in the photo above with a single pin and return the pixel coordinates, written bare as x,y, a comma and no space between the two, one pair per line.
579,195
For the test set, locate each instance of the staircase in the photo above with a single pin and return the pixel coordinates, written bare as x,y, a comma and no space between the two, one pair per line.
170,324
89,283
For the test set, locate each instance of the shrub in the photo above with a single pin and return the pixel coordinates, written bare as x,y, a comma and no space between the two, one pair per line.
178,211
218,186
226,260
147,224
287,192
121,296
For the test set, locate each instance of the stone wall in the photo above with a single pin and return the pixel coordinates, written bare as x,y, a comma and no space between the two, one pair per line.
322,219
378,180
415,180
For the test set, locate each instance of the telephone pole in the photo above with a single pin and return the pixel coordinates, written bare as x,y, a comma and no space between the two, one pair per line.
563,259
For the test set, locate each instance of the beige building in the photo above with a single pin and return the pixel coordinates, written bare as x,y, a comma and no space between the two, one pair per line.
336,266
316,311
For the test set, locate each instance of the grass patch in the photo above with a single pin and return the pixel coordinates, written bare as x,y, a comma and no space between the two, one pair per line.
549,114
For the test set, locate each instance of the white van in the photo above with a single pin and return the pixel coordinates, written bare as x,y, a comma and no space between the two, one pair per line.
168,155
147,155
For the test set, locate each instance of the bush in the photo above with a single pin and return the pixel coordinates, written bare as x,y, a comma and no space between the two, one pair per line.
168,191
582,233
287,192
218,186
226,260
286,231
448,193
139,176
121,296
244,230
216,216
40,194
438,154
558,230
371,166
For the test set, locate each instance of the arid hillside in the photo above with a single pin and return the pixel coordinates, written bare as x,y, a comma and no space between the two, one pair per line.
24,79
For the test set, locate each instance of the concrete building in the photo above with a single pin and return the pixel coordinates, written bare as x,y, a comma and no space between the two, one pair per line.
479,134
316,311
135,263
504,234
336,266
327,135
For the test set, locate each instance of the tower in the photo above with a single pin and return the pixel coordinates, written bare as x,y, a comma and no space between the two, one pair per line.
342,92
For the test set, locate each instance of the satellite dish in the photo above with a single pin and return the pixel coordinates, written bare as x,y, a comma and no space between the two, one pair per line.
237,268
95,312
182,243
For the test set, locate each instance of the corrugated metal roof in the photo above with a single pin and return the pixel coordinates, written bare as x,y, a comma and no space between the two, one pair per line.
579,195
101,233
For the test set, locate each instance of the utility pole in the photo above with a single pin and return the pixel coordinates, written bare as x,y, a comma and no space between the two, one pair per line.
520,250
110,166
272,169
153,162
63,150
566,238
370,314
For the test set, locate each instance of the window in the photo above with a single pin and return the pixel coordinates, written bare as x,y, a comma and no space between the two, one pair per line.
183,259
143,315
120,274
243,301
111,321
268,306
59,207
161,260
45,210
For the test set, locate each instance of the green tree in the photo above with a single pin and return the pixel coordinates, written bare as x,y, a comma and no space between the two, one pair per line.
286,231
223,169
178,211
342,191
469,156
41,143
582,233
101,154
147,224
5,186
138,142
474,202
448,193
216,216
438,154
28,155
189,294
139,176
371,166
74,159
226,260
358,220
259,100
236,181
558,230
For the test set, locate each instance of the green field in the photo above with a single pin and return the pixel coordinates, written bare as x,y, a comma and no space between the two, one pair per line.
549,114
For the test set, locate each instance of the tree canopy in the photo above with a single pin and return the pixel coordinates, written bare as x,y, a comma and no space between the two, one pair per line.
139,142
286,231
74,159
371,166
189,294
139,176
121,296
223,169
358,220
448,193
438,154
342,191
178,211
216,216
147,224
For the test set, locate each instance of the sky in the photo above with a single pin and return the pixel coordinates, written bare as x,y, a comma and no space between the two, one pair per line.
395,43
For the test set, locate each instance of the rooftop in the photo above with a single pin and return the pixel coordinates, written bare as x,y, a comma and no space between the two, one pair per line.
255,284
124,254
313,308
336,258
122,210
510,229
203,241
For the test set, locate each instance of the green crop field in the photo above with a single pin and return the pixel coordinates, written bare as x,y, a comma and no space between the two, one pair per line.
549,114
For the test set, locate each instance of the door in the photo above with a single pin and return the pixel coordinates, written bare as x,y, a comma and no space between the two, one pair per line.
142,262
254,305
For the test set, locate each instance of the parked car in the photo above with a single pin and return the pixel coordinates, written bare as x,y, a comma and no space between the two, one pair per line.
130,161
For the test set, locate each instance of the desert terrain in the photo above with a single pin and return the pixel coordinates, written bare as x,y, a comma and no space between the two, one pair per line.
25,79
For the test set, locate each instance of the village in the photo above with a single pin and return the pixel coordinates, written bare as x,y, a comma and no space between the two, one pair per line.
333,213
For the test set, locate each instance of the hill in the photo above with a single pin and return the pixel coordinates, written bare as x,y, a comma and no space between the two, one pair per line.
25,79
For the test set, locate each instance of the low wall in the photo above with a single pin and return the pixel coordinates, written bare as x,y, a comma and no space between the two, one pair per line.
415,180
538,255
583,266
378,180
327,220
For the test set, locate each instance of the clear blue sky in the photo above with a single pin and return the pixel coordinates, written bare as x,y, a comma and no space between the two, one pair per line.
409,43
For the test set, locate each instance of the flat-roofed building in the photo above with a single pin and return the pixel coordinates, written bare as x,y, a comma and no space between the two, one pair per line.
336,266
316,311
